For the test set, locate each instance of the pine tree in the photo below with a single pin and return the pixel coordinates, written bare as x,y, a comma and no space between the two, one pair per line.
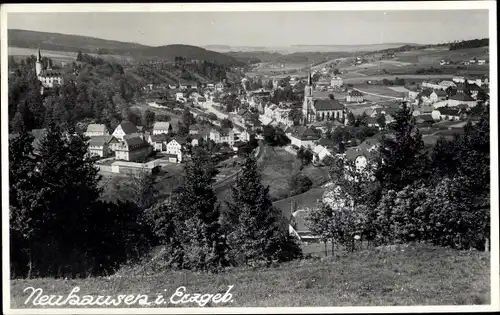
401,159
25,223
258,231
198,232
68,192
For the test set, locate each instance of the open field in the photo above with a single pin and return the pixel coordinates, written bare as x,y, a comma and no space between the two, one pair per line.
410,77
434,56
276,168
378,89
414,275
57,56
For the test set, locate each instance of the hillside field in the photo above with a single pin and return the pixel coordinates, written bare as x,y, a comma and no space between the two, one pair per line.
404,276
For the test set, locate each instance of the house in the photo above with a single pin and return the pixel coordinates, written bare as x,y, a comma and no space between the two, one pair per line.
219,87
424,119
481,62
320,153
160,127
225,135
428,96
469,88
200,137
458,79
445,113
123,129
172,86
302,136
336,82
422,109
184,85
100,145
354,96
158,141
175,149
412,93
133,149
441,95
433,85
446,84
298,226
461,98
94,130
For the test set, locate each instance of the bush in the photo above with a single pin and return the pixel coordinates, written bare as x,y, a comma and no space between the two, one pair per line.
299,183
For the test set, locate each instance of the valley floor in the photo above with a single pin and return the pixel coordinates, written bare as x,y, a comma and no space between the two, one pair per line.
414,275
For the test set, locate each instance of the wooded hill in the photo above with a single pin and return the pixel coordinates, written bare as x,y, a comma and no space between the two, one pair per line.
75,43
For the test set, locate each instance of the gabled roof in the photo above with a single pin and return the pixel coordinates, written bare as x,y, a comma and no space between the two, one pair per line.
325,142
128,127
355,93
304,133
159,138
440,93
463,97
424,118
96,128
179,140
100,140
135,143
161,125
328,105
426,93
448,111
51,73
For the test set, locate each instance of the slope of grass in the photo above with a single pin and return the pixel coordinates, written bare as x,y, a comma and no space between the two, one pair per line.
415,275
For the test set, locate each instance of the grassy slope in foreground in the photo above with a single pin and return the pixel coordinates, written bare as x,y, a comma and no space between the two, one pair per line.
417,275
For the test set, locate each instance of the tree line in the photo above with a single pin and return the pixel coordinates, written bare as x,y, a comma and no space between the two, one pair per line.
407,194
473,43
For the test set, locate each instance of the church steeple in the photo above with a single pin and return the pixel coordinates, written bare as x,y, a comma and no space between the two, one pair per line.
39,55
38,64
309,78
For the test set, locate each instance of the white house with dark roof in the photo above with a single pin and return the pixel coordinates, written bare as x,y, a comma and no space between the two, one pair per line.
302,136
133,149
222,135
94,130
161,127
446,84
462,98
354,96
123,129
100,145
159,142
445,113
175,148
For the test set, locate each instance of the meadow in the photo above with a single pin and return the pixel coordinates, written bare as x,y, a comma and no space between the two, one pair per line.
388,276
57,56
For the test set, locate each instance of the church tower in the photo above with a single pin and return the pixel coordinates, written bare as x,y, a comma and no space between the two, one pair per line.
308,98
38,65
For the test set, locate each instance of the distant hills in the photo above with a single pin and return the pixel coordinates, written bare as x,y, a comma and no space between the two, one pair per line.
305,48
75,43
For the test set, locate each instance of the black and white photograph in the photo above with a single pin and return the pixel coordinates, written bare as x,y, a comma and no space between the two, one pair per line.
249,157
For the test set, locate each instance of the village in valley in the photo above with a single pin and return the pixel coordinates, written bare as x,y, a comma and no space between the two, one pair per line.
358,131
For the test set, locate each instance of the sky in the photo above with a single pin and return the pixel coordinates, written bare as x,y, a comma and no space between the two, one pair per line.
263,28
